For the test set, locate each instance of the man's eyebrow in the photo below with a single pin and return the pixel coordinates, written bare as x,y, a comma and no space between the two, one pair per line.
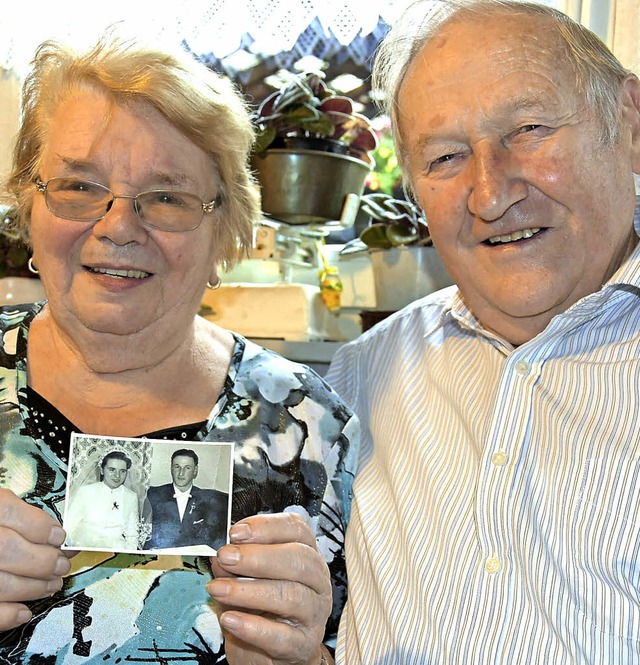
530,102
520,104
425,140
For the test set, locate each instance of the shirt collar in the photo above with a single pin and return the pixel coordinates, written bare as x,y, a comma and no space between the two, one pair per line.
455,308
110,490
629,271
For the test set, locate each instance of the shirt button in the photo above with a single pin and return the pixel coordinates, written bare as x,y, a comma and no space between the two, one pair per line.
492,565
523,368
499,458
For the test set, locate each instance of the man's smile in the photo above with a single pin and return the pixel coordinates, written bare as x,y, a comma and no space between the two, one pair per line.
512,237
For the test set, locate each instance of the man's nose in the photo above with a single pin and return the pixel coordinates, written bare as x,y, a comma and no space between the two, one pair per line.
497,182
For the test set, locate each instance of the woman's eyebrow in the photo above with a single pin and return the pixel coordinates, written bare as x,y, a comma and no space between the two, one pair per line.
169,179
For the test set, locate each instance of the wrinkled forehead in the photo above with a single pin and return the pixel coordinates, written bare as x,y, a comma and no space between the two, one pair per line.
471,42
92,109
485,62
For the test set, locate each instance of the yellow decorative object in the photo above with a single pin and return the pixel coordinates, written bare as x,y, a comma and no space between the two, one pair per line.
330,283
331,288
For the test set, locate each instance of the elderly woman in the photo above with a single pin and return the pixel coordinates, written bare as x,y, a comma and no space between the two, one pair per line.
130,180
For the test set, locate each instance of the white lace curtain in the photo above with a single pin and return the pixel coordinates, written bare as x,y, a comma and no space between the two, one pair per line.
220,27
215,27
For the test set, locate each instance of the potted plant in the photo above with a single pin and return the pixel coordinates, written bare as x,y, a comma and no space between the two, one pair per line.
405,264
393,223
312,152
306,113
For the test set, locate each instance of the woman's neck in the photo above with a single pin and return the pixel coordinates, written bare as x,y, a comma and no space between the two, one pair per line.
123,385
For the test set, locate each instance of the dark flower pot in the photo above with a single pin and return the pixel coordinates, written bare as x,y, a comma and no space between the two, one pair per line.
316,143
307,186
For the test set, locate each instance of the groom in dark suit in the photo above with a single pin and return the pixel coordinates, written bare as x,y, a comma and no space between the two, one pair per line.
183,514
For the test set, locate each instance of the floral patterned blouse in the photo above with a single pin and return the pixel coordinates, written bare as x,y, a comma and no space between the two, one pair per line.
295,449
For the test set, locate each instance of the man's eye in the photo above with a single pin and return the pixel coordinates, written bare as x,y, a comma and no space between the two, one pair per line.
444,163
443,159
527,128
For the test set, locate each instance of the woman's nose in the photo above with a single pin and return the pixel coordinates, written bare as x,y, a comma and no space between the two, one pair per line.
121,223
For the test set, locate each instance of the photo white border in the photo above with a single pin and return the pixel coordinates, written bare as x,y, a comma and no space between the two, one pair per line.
108,444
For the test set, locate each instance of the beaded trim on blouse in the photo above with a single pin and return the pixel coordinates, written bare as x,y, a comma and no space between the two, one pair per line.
54,428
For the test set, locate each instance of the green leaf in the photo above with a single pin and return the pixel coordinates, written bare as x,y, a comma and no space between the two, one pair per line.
400,234
375,235
321,126
264,138
300,114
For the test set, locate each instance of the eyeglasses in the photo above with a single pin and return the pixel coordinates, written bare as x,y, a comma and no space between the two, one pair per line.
86,201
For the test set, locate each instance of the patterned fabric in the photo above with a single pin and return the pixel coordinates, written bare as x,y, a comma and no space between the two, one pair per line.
295,443
496,517
47,423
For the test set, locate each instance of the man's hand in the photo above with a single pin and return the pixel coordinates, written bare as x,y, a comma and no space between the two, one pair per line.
272,592
31,562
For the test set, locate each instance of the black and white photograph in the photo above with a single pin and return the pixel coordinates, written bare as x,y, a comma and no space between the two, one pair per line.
140,495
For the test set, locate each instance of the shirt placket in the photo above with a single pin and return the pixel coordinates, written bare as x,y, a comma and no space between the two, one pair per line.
507,438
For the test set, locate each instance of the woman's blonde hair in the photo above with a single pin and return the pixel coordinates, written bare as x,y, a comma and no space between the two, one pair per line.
201,104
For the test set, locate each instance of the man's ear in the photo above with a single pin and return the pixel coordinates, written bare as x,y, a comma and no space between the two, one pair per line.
630,101
195,471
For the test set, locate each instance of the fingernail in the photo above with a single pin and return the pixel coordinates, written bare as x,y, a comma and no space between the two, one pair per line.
219,588
240,532
54,585
230,621
56,536
24,616
63,566
228,555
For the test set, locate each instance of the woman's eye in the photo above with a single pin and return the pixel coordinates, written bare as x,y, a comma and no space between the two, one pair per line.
166,198
75,186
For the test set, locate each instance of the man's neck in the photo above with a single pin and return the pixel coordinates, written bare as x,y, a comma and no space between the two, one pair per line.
183,491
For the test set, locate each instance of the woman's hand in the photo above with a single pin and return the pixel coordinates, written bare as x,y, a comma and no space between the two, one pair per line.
273,592
31,562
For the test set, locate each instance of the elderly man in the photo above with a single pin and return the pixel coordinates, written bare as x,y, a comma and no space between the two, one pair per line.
496,508
184,515
104,515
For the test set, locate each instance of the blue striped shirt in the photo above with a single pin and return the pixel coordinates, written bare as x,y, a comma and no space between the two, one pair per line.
496,512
